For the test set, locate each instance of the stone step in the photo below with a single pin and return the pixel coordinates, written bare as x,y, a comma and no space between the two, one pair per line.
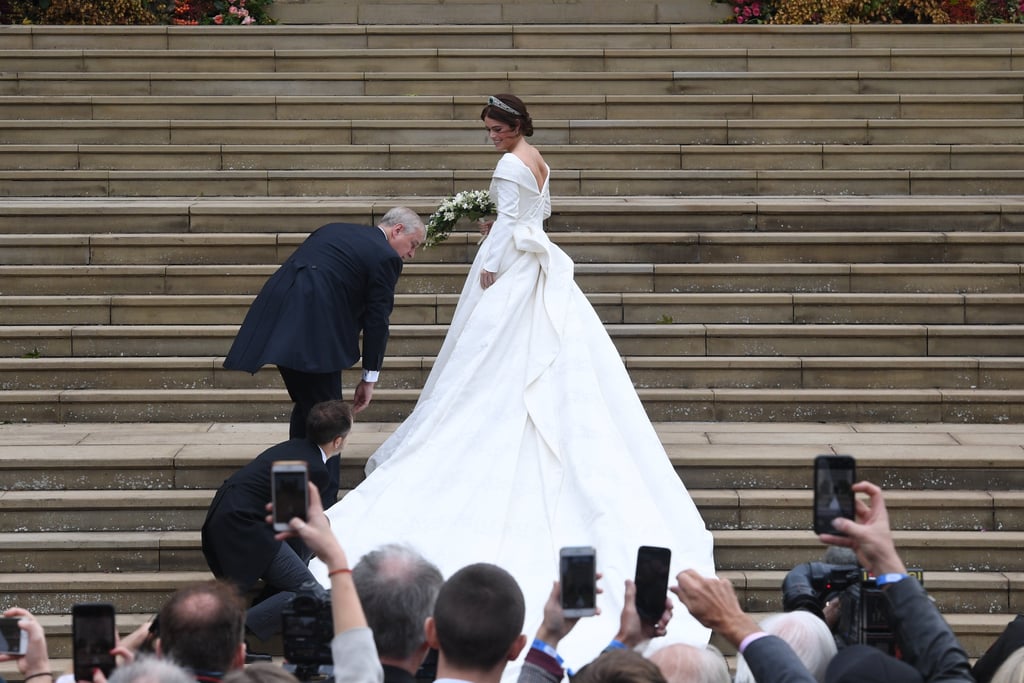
571,183
553,58
704,404
742,155
444,279
640,308
995,551
528,29
755,457
681,107
653,339
524,82
652,372
722,509
826,213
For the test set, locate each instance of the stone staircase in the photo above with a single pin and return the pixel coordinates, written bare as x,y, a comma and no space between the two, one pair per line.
794,225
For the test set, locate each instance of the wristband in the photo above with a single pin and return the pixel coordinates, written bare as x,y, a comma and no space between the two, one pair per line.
539,644
885,579
616,645
340,570
41,673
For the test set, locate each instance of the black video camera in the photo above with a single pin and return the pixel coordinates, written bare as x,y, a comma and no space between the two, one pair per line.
307,626
863,617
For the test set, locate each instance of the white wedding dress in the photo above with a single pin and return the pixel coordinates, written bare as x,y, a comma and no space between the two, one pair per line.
529,436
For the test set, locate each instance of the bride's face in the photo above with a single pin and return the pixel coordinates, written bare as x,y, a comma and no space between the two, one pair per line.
502,136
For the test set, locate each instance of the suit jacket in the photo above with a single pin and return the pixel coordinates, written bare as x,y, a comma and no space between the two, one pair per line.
339,283
237,540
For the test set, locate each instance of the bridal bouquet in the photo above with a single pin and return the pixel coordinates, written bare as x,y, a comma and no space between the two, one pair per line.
471,204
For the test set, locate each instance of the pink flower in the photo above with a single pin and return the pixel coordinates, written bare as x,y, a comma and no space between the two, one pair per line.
233,10
739,20
247,20
219,19
736,9
243,12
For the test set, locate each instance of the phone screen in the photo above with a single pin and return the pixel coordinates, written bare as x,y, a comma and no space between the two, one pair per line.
10,636
92,627
290,491
652,569
577,575
834,476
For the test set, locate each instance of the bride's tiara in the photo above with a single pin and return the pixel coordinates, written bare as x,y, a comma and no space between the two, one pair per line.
495,102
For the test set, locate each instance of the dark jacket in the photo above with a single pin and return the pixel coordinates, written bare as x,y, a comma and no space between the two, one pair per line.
237,540
339,283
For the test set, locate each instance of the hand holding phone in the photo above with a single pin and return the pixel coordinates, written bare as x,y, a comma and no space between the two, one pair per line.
93,637
289,485
834,477
578,578
652,569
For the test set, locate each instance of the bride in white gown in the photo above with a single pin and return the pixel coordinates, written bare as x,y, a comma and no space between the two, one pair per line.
528,435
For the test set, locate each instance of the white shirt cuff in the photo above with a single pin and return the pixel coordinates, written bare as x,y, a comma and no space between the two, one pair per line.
371,375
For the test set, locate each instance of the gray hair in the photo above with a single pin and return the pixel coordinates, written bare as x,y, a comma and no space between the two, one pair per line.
808,636
151,670
681,663
1012,668
410,220
397,588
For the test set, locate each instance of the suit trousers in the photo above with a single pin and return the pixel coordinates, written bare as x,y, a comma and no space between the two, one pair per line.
286,573
306,389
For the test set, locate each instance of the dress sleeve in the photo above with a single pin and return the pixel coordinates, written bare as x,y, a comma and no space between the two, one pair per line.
505,194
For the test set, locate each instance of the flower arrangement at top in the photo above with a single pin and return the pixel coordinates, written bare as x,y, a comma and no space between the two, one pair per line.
221,12
471,204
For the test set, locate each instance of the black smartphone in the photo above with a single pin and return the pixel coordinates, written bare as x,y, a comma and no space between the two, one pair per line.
289,483
13,640
834,477
92,634
652,568
577,575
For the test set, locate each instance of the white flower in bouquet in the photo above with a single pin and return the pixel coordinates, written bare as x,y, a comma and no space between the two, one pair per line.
471,204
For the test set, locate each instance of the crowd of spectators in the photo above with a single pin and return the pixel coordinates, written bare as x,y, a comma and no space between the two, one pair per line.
393,608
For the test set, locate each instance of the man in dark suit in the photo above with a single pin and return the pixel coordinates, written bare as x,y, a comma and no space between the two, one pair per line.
307,319
238,542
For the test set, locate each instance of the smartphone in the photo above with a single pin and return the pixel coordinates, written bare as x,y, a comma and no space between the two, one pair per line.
92,634
652,568
289,483
834,476
577,574
13,641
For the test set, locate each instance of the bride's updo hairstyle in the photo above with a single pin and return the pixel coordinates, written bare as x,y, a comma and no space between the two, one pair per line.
511,111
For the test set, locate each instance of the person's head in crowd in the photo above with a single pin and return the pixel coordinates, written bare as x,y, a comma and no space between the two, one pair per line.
620,666
150,670
477,626
682,663
868,664
329,422
1011,670
808,636
260,672
398,588
202,628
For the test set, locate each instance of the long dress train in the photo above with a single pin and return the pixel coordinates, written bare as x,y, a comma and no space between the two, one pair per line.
529,436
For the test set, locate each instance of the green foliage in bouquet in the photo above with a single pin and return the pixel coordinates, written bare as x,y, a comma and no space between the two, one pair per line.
471,204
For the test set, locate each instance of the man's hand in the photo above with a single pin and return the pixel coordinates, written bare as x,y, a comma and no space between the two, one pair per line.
632,629
36,658
315,532
713,602
870,536
487,278
555,624
363,395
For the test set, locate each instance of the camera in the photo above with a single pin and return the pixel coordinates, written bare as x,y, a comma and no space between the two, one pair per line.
863,616
307,626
